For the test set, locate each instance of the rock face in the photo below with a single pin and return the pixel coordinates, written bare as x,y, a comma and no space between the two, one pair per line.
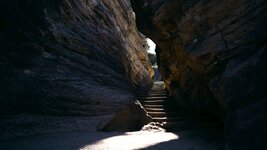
69,57
212,56
130,119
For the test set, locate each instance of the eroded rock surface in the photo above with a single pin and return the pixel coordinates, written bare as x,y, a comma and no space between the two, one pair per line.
131,118
69,57
212,55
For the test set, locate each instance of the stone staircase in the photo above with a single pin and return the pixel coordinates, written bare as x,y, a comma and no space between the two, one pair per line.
164,114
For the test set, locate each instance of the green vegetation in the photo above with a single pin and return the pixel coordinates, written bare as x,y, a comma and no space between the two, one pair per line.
153,59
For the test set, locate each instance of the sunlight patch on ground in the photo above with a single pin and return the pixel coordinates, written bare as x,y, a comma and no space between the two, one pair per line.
151,45
132,140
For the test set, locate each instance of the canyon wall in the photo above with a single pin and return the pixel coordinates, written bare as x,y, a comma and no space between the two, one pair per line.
70,57
212,55
84,57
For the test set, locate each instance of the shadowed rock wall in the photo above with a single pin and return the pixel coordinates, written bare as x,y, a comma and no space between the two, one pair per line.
69,56
212,56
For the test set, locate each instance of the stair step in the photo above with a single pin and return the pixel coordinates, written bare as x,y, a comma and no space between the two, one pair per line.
174,113
153,98
181,126
149,109
166,119
144,96
151,92
156,93
188,119
152,95
153,102
153,106
164,114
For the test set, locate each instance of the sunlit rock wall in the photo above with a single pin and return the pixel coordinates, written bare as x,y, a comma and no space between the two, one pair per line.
71,57
212,56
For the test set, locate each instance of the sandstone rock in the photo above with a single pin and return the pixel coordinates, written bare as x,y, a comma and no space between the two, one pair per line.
69,57
212,56
131,118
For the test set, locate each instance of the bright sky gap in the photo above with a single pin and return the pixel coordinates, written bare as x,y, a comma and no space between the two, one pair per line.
151,45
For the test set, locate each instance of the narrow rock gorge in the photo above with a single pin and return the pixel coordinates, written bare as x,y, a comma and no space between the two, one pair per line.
73,64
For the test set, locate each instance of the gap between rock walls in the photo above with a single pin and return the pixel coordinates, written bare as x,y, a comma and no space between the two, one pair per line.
129,65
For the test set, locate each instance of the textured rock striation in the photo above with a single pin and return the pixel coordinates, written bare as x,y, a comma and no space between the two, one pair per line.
212,56
70,57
